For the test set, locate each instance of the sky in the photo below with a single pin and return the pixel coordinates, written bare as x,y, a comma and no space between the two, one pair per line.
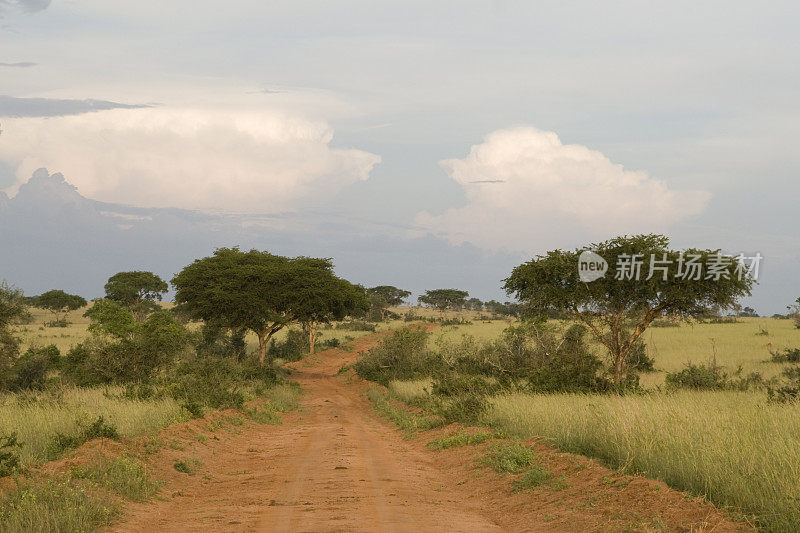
486,131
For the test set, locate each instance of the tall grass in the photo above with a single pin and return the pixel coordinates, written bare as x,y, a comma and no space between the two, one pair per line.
56,506
730,446
38,417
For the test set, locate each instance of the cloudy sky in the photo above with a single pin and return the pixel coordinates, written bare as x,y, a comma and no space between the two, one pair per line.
488,130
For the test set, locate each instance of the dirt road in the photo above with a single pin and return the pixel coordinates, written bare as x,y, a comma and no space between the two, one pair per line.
336,466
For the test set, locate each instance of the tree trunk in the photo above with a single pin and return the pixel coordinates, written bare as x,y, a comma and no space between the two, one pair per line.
618,358
263,338
312,336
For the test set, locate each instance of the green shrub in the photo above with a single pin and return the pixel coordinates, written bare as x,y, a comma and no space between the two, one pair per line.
330,343
122,350
788,389
402,355
9,454
293,348
221,342
30,370
699,377
97,429
216,382
639,360
788,355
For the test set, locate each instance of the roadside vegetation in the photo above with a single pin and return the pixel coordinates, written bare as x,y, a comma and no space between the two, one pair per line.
679,392
126,365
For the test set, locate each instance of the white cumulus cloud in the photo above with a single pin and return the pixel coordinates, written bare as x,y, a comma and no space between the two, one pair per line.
527,191
236,160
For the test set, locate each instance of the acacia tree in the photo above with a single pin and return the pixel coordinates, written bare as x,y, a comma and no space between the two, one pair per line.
384,296
259,291
137,290
391,294
443,299
319,296
58,301
618,309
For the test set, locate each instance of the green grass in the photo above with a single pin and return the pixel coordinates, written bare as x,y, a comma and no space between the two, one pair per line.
405,420
732,345
38,417
407,391
732,447
536,476
187,466
123,475
283,397
55,506
508,457
462,439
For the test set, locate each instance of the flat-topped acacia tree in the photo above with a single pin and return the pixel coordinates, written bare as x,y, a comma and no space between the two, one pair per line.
616,308
57,301
263,292
384,296
443,299
318,296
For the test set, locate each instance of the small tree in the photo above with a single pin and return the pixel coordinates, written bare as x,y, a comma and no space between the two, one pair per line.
122,349
137,290
443,299
58,301
616,308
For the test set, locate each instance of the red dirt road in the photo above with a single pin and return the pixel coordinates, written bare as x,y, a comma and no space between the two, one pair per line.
336,466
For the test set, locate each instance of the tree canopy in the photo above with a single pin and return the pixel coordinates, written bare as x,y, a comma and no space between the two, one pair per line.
57,301
444,298
391,294
619,306
319,296
137,290
263,293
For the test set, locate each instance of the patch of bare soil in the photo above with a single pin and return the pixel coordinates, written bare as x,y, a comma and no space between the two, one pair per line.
335,465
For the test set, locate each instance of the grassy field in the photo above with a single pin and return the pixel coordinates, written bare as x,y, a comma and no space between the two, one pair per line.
38,417
746,344
733,447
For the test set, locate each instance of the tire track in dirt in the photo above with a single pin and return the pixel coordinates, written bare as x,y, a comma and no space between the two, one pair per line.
333,466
